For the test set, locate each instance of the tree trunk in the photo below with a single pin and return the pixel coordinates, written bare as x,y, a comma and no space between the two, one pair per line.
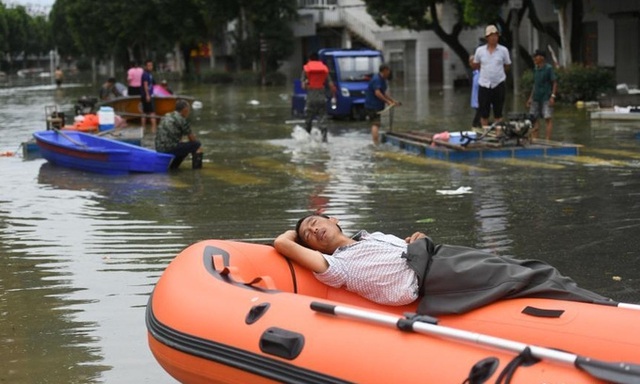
212,57
451,39
577,42
94,70
178,58
565,35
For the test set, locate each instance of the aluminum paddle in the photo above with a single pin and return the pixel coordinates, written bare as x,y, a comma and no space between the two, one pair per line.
624,373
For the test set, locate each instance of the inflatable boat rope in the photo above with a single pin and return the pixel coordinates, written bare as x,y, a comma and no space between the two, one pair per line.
623,373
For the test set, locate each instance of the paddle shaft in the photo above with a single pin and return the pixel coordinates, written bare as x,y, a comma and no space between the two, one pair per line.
613,372
635,307
69,138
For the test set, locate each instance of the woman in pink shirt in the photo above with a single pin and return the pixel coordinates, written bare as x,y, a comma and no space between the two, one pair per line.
134,79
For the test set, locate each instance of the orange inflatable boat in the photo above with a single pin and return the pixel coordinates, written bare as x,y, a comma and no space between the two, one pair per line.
231,312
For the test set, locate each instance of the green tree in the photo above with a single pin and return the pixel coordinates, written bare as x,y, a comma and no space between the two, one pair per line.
4,29
266,20
85,23
18,31
272,24
148,29
423,15
38,37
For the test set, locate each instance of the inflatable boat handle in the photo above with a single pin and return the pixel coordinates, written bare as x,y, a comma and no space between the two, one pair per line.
323,308
623,373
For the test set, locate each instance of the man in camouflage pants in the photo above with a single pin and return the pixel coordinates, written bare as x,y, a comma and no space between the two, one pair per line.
173,127
318,85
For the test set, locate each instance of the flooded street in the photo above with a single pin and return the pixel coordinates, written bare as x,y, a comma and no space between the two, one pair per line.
80,253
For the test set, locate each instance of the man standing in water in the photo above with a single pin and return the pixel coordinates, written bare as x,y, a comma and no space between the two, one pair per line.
376,98
493,61
316,81
543,94
146,97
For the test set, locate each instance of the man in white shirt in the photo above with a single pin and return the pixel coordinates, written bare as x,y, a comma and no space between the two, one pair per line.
493,61
393,271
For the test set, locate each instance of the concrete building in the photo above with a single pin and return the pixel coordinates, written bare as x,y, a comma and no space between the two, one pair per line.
611,31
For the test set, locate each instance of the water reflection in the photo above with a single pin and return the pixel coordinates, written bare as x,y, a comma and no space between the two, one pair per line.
68,257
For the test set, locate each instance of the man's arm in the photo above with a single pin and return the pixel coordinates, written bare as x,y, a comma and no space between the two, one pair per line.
286,244
554,89
384,97
145,88
507,65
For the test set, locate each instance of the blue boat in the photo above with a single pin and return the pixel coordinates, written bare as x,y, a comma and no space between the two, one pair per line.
30,149
97,154
424,144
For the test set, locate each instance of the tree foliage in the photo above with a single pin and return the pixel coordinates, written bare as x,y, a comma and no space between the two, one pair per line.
136,30
423,16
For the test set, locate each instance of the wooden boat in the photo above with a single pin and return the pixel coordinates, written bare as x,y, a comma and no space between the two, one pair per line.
130,107
93,153
233,312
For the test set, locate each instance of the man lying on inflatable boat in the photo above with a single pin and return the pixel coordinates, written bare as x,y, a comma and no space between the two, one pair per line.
448,279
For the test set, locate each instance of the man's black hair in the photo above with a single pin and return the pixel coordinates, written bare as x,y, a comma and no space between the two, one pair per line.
181,104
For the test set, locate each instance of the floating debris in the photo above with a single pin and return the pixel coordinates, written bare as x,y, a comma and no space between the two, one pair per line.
459,191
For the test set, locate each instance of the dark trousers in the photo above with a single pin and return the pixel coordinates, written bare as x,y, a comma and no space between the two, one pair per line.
491,97
134,91
181,151
475,123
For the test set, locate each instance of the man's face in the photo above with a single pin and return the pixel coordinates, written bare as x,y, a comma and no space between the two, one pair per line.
149,66
538,59
319,233
185,112
493,38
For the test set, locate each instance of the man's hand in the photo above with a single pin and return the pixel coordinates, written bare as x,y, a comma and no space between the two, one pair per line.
414,237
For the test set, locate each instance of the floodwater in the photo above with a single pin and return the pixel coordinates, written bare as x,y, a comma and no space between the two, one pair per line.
80,253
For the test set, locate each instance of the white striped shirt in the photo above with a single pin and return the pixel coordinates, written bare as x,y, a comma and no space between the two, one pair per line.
373,268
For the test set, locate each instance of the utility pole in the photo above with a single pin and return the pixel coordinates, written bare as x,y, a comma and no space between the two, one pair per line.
263,64
514,6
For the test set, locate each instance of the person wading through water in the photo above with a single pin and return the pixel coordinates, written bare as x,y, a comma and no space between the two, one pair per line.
316,81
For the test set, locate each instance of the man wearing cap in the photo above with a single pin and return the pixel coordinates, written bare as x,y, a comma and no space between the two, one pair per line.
543,94
493,61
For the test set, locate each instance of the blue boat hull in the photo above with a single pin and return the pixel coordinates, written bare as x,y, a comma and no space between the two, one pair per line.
30,149
96,154
542,148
